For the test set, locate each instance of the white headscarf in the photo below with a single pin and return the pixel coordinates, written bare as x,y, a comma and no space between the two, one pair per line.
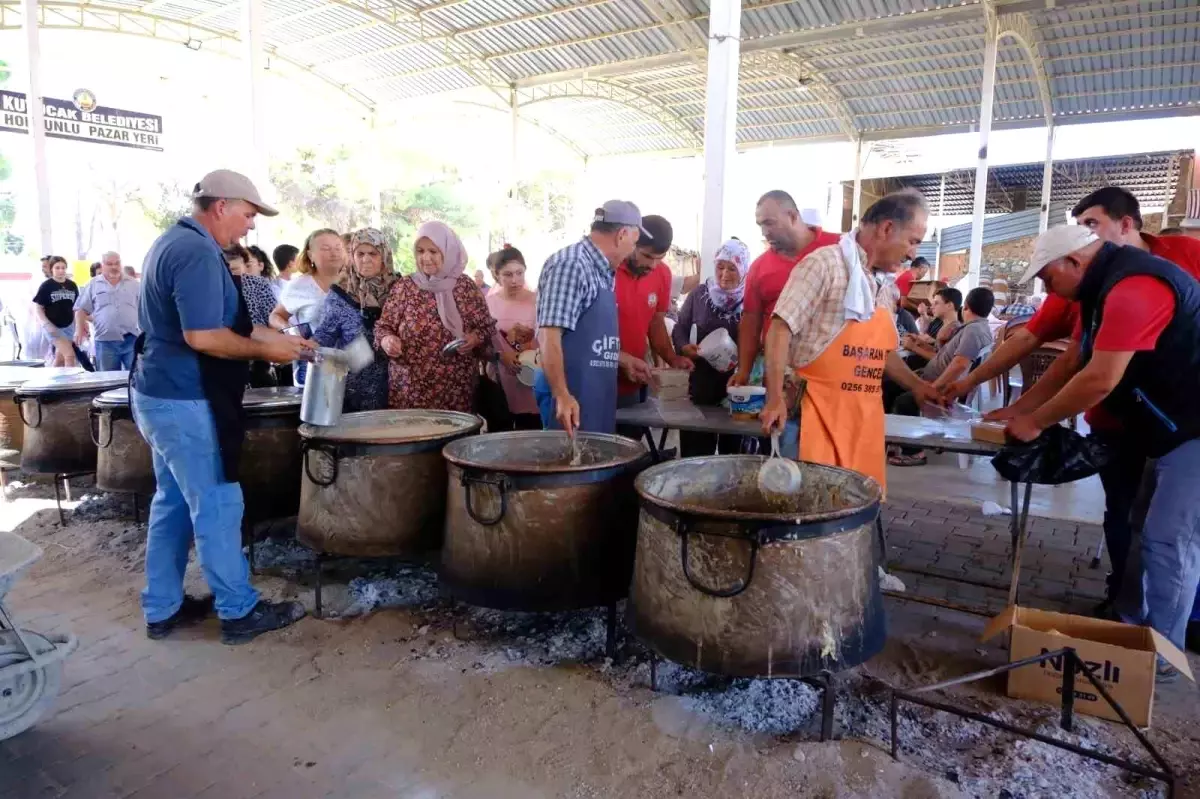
738,254
454,262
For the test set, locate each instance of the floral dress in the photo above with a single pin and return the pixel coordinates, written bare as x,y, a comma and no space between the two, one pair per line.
342,321
422,377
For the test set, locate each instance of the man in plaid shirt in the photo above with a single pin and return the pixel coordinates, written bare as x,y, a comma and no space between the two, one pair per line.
577,325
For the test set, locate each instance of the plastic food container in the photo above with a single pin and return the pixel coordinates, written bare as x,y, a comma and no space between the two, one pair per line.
747,402
719,349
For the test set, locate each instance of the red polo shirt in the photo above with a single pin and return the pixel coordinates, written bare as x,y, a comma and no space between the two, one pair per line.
638,300
905,281
769,274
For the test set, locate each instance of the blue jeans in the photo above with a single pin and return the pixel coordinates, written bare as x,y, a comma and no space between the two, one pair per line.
789,440
192,501
1171,544
115,355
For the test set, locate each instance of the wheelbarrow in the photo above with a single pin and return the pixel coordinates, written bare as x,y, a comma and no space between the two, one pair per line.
30,663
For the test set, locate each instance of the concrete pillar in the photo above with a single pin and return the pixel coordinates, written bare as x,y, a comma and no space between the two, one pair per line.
1047,180
37,126
514,169
974,264
720,123
253,22
856,199
941,225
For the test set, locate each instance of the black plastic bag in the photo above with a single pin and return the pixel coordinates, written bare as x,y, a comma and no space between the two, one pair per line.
1057,456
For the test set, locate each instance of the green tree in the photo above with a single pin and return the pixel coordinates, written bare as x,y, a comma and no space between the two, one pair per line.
405,211
163,210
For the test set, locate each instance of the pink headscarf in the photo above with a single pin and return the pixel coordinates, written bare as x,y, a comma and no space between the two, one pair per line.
454,262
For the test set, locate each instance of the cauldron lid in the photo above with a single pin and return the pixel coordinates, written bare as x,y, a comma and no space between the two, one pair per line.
114,398
74,382
542,452
14,373
273,398
395,427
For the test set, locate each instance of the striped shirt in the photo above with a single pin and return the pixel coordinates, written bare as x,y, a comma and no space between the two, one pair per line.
571,280
813,303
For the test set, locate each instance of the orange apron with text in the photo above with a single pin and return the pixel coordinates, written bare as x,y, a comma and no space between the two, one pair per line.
841,411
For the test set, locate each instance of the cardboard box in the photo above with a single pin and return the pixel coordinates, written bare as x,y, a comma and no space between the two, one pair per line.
991,432
922,291
1122,657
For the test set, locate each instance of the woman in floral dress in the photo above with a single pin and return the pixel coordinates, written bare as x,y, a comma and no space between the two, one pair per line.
352,309
426,311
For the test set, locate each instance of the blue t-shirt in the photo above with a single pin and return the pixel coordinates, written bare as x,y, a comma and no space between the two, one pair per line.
185,286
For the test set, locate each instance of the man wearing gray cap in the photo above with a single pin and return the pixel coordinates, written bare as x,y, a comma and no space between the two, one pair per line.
190,369
578,329
1139,346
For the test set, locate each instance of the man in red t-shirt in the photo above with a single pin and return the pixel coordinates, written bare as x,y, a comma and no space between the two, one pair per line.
789,239
916,271
643,289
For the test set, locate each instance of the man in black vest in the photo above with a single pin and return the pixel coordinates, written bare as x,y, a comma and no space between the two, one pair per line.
1140,350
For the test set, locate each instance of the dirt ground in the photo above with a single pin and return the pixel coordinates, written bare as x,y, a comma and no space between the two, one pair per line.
403,694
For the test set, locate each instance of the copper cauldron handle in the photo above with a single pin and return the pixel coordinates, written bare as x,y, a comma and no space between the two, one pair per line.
685,534
501,485
330,450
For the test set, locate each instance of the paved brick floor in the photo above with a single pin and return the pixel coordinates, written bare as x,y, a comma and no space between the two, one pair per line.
193,719
959,541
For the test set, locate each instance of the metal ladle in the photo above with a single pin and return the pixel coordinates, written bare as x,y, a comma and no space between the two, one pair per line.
778,476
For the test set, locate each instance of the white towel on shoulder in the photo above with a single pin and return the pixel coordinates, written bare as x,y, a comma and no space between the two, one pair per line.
860,294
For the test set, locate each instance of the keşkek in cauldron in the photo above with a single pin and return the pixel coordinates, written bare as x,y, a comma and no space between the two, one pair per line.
529,529
729,582
55,412
374,484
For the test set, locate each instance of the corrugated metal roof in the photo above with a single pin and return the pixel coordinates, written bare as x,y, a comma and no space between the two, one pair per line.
1152,177
903,67
1006,227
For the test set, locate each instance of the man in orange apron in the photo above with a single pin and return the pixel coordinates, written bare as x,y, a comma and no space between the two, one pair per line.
834,329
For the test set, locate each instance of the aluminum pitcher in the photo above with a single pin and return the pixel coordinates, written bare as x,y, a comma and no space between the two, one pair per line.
325,384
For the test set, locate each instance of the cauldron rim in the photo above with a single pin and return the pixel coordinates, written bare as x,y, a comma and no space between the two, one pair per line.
469,423
454,454
871,486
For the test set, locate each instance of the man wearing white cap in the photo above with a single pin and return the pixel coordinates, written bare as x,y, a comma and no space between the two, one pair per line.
1113,214
791,235
1139,335
191,364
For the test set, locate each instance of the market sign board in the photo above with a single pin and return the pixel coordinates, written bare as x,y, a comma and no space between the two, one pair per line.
67,119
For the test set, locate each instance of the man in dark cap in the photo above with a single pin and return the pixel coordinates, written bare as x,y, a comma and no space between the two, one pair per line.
643,286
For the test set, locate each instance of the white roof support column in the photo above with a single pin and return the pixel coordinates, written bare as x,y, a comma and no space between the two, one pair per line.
1047,179
254,59
975,263
720,123
375,178
37,125
514,168
941,225
856,199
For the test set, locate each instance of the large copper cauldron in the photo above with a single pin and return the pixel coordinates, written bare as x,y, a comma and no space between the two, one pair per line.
270,467
123,460
374,484
12,375
729,582
55,413
528,530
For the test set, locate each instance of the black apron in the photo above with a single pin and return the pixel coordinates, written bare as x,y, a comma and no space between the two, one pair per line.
223,382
